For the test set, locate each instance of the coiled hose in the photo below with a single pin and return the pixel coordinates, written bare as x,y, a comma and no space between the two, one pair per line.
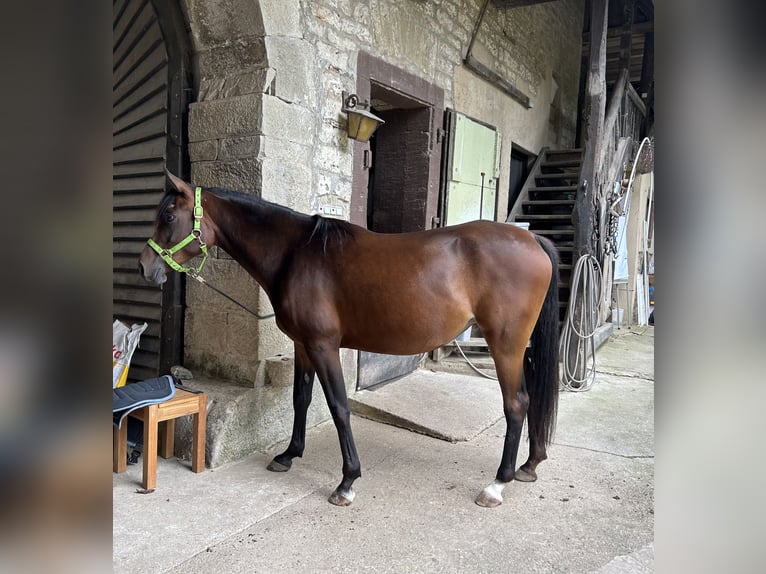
577,343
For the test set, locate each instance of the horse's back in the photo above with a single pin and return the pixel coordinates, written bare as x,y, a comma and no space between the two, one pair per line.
411,292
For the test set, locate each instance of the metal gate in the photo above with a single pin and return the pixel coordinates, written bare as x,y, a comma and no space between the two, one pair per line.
148,116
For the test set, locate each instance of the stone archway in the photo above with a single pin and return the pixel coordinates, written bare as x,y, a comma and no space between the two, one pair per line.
251,128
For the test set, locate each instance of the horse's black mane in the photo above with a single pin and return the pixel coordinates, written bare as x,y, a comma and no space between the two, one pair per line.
329,230
325,230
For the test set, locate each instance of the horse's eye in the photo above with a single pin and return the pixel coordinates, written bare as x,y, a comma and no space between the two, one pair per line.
170,218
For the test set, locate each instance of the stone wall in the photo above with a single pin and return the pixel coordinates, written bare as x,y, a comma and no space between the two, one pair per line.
268,78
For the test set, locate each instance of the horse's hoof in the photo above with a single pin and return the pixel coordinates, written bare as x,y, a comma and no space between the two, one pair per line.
492,496
525,475
275,466
487,500
341,498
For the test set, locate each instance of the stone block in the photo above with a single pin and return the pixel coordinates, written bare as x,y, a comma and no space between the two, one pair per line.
333,158
242,341
285,151
332,59
272,341
240,146
287,121
251,82
215,119
241,174
279,370
204,333
206,150
233,58
282,18
287,184
217,22
294,62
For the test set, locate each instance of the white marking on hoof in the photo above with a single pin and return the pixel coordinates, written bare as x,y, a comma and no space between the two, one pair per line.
342,497
492,495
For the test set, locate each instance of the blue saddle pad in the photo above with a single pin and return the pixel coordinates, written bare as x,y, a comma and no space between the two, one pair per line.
134,396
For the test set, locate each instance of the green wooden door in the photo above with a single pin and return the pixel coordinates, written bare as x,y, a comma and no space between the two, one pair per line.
472,170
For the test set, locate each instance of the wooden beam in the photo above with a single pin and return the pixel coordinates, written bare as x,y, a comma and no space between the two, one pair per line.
595,103
616,32
611,113
626,38
647,66
633,95
495,78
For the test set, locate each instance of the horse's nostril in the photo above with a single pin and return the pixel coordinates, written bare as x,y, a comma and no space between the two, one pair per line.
141,268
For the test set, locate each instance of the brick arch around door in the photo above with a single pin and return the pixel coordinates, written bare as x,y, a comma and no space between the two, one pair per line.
150,86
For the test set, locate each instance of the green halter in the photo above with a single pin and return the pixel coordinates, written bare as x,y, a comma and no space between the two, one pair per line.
167,254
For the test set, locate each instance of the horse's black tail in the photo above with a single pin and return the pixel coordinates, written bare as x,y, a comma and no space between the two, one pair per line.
543,389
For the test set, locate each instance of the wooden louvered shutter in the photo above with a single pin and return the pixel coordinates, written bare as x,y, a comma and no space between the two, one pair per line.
147,85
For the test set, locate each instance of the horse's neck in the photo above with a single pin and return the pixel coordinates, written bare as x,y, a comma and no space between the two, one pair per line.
259,237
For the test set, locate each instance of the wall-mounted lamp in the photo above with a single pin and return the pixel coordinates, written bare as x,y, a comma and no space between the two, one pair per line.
361,122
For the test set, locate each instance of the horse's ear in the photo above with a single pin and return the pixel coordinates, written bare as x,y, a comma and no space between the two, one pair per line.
181,186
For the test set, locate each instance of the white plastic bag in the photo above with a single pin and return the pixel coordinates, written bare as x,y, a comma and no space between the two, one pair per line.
124,343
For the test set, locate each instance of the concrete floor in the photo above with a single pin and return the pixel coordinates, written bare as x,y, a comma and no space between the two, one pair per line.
592,509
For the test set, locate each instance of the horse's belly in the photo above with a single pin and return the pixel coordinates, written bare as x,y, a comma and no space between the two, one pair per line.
405,334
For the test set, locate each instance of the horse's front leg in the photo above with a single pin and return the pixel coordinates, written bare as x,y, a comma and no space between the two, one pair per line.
303,385
326,360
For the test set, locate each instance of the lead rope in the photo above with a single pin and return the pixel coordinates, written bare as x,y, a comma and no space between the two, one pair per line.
194,275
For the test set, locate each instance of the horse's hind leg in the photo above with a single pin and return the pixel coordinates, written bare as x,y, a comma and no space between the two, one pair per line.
508,356
537,452
303,385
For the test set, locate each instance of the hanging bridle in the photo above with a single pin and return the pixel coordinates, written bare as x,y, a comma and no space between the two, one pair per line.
196,234
167,254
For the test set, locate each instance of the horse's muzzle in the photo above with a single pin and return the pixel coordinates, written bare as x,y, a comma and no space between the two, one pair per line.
152,268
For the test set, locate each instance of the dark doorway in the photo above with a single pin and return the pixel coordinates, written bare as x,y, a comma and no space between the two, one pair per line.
520,162
397,193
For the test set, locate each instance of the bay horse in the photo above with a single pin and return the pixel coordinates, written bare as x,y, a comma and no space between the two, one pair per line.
333,284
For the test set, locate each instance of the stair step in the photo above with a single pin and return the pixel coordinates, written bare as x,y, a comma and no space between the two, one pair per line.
554,188
544,217
565,231
544,202
561,163
560,175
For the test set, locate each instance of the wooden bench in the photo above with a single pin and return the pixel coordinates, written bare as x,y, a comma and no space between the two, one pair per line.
183,403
